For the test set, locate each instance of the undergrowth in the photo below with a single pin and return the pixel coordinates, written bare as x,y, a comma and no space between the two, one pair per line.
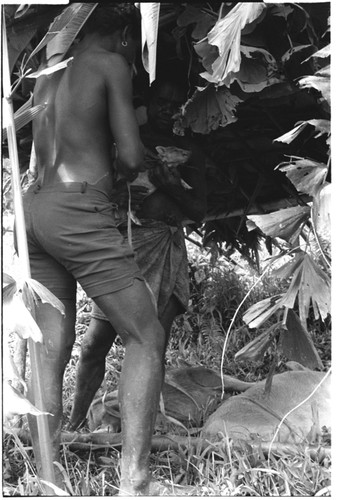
197,339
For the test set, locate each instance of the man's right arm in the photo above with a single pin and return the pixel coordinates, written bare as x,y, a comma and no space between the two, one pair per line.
122,118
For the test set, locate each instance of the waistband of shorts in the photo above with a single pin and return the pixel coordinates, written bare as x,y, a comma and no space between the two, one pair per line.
72,187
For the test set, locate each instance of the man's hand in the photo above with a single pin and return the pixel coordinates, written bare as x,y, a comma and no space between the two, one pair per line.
121,195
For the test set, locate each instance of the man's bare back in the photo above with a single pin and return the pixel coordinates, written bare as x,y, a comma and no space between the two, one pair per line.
86,104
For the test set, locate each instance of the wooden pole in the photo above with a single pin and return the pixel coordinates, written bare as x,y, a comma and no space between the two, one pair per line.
47,471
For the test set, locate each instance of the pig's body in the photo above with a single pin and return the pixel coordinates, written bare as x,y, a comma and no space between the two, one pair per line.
254,414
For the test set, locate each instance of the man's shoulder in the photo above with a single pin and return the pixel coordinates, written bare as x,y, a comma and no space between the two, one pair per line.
104,58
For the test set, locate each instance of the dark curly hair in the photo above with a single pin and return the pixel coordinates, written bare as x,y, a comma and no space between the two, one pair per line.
110,17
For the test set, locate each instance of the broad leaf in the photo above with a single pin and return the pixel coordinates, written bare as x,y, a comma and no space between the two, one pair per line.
51,69
321,217
207,110
65,27
310,284
308,176
321,126
293,50
260,312
60,44
320,81
17,42
35,290
257,70
207,54
286,223
297,344
202,20
24,115
226,35
17,319
14,403
256,348
283,10
288,137
9,288
320,54
9,368
150,20
287,270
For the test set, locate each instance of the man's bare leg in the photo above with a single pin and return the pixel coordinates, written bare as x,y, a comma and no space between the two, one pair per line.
95,346
132,314
58,338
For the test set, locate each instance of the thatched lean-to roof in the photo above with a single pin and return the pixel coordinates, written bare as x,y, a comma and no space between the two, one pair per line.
235,122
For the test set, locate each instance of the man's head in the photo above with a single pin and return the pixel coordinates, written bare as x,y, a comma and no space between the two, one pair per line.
121,22
164,102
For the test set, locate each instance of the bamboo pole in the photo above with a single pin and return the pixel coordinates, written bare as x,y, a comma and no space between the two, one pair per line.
47,470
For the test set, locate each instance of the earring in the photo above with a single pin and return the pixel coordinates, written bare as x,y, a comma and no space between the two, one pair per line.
124,43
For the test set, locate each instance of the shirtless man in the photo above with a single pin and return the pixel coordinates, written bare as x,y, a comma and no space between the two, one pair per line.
71,231
158,242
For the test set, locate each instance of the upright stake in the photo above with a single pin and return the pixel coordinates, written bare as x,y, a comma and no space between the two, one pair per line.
47,471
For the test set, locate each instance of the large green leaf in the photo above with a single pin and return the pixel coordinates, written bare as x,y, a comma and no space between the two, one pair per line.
17,319
49,70
258,313
226,35
319,81
255,350
308,176
286,223
323,53
17,42
321,216
35,291
14,403
207,110
24,115
258,69
64,30
311,285
194,15
321,126
58,46
150,21
297,344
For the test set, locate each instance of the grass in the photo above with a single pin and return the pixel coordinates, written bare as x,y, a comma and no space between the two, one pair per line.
223,469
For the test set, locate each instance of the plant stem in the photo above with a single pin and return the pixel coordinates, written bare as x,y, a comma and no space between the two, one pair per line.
34,349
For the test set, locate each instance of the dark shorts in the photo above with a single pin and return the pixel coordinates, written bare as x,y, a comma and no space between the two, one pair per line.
72,237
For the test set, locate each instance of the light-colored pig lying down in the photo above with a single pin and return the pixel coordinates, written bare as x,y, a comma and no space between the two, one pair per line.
255,415
189,394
